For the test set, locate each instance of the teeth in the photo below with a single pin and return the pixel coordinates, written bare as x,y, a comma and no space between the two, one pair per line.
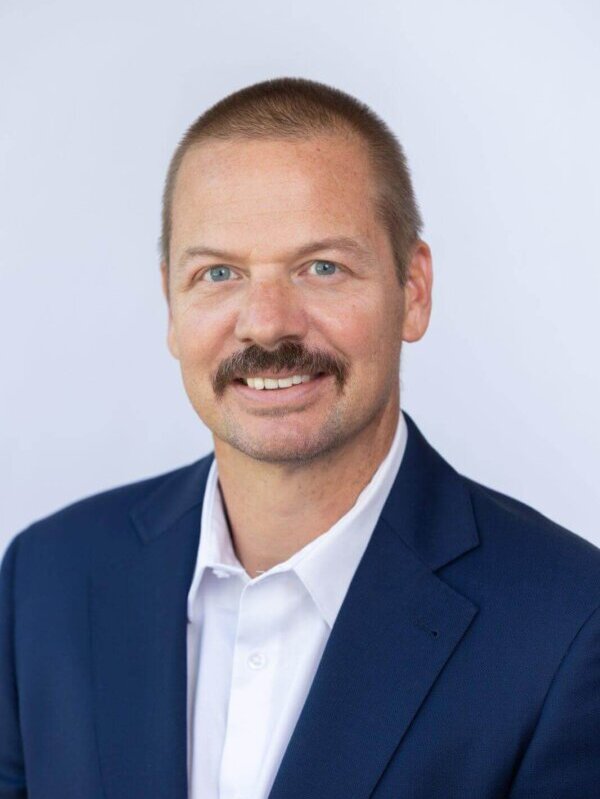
271,382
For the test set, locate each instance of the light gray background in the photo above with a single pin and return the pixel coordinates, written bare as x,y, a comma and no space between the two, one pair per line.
496,104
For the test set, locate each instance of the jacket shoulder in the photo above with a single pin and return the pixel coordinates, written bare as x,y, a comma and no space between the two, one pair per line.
100,514
528,548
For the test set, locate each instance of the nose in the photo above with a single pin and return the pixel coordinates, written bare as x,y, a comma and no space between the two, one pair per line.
271,311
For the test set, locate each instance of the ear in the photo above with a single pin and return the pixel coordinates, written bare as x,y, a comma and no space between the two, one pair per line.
417,293
171,339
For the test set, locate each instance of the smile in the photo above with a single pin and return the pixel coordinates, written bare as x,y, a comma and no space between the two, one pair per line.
282,390
260,383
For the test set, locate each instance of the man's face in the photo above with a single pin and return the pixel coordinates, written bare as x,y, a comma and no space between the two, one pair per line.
264,305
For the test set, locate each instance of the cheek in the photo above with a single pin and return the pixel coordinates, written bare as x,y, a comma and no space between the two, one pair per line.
200,332
359,326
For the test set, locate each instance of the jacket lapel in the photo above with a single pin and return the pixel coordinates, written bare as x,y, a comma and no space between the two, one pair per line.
397,627
138,624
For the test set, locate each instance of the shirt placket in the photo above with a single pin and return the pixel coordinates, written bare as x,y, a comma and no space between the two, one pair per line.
250,699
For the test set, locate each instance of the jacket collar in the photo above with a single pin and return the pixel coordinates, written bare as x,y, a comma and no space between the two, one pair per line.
180,493
429,506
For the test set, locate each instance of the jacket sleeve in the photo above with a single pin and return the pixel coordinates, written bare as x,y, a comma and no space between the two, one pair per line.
12,769
562,759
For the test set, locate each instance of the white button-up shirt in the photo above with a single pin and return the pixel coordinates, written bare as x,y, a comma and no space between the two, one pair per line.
254,645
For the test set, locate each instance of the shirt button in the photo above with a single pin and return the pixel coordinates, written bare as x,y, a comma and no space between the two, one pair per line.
256,660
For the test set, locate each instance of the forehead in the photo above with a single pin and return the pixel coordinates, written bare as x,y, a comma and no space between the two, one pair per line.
259,192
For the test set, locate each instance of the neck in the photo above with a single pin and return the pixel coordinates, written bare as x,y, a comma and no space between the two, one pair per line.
275,509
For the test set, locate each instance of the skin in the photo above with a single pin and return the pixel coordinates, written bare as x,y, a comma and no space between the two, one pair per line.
289,471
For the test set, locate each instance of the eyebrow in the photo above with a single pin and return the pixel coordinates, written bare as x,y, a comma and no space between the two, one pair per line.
330,243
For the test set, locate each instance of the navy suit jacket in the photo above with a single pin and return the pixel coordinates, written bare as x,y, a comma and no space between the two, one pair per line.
464,662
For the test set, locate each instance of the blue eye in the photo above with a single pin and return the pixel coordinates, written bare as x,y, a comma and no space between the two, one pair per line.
220,273
325,267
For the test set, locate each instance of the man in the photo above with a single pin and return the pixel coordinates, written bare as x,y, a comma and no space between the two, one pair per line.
323,607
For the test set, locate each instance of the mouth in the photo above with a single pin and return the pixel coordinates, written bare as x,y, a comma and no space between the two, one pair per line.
279,381
280,389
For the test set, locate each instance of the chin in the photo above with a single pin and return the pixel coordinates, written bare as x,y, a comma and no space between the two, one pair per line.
287,446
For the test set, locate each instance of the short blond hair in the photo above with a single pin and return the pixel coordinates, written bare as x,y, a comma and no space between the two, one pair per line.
299,108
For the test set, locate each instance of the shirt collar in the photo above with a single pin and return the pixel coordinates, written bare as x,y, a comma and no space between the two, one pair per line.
325,565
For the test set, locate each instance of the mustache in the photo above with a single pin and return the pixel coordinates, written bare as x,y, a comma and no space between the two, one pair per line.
291,356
